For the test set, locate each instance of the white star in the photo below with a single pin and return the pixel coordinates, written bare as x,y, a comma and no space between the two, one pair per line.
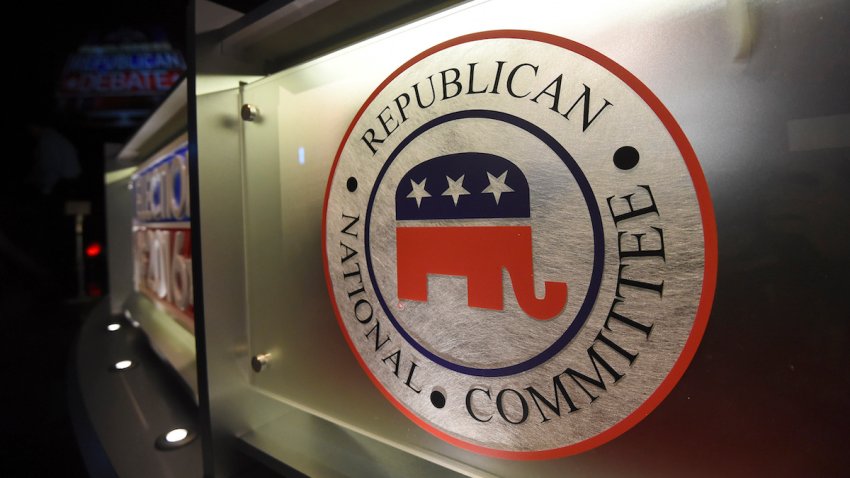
497,186
418,191
455,189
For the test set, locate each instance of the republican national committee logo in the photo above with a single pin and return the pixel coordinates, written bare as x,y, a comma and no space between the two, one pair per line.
519,244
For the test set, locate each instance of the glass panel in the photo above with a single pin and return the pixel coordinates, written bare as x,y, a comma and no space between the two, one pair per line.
759,89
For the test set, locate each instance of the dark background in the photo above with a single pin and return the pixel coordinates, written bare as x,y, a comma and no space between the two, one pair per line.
40,309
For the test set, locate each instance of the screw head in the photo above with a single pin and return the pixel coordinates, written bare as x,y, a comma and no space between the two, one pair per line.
259,362
249,112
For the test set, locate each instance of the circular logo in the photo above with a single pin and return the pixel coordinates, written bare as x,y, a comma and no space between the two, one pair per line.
519,244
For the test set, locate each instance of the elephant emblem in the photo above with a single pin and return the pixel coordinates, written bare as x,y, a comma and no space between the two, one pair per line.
437,203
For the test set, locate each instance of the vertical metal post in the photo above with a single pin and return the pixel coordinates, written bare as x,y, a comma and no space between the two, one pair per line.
79,209
81,273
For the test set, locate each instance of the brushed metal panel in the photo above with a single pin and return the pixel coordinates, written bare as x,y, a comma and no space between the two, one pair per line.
766,391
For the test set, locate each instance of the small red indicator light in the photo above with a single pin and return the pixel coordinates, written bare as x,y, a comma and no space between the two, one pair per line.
94,249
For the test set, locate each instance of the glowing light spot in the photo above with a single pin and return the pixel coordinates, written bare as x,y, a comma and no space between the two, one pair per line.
176,435
124,364
94,249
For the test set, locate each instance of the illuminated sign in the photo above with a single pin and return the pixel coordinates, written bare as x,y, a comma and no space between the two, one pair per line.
117,79
120,70
519,244
162,249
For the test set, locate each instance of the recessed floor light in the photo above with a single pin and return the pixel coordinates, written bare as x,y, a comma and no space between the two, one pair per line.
175,438
176,435
122,365
113,327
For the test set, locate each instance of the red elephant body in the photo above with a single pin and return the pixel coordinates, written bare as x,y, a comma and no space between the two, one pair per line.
479,253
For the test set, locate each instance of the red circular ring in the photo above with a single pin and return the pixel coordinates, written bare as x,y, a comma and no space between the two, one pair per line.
709,241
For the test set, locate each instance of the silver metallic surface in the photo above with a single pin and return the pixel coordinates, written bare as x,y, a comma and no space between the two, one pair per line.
563,250
767,388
